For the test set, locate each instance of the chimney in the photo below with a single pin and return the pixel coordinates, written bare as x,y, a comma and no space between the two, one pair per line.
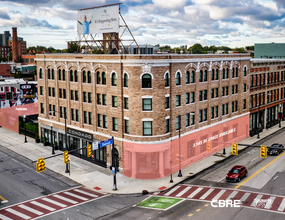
15,45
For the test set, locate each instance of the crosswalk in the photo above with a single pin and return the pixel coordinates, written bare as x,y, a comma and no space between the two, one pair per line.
48,204
256,200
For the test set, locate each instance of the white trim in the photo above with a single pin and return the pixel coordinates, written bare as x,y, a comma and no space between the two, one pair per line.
126,118
127,96
167,117
167,95
127,74
113,71
147,119
178,71
166,73
151,136
146,88
147,97
146,73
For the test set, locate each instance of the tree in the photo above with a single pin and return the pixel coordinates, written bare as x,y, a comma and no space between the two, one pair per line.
249,47
72,47
197,49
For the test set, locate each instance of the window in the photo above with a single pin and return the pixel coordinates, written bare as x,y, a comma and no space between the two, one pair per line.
166,102
201,76
63,75
104,121
76,95
126,101
77,115
205,76
52,73
98,78
41,90
104,99
200,115
236,71
53,92
89,77
114,79
147,128
166,125
90,119
192,116
178,80
227,73
75,76
166,80
84,77
115,124
178,100
213,74
85,117
72,114
212,112
244,71
50,109
60,112
205,94
223,109
147,104
89,97
234,106
244,104
212,93
205,114
187,120
187,98
42,108
244,87
103,78
49,91
146,81
64,93
192,78
126,126
114,102
178,123
226,108
99,120
216,112
217,74
224,74
60,93
41,73
71,75
233,72
187,77
192,98
200,95
126,80
99,99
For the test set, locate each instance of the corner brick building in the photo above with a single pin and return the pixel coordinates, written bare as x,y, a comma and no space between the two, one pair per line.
137,98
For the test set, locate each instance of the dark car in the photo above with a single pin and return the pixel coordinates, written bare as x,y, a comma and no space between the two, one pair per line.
236,174
275,152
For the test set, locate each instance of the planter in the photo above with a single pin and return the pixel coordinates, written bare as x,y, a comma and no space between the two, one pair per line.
37,140
46,143
252,133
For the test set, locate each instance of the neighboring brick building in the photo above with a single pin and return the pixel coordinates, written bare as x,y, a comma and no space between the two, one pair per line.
5,70
28,59
267,91
138,98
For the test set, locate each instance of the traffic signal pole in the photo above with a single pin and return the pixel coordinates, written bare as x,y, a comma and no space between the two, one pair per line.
114,168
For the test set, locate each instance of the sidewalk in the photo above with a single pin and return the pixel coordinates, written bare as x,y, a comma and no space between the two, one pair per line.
92,175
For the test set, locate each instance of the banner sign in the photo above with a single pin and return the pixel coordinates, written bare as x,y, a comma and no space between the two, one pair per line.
80,134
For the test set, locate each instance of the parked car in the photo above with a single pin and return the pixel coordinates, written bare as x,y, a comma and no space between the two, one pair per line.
236,173
275,152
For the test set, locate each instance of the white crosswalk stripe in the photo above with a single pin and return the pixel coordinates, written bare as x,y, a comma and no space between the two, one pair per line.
195,192
206,194
232,195
31,209
18,213
76,196
256,200
183,191
54,202
65,199
269,203
43,206
219,194
282,206
245,196
86,193
4,217
173,190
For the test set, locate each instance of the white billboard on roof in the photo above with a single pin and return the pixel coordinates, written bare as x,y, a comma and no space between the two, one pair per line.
98,20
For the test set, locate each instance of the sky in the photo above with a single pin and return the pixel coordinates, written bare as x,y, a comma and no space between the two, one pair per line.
233,23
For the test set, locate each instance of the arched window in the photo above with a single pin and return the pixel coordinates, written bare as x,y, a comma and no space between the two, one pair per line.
48,73
104,78
63,75
217,74
52,73
227,73
201,76
126,80
71,75
233,72
244,71
59,74
114,79
89,77
187,77
41,73
84,77
236,72
146,81
75,76
166,79
224,73
98,78
205,76
213,75
192,78
177,77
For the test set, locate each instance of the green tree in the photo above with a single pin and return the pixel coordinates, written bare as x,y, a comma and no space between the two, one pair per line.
197,49
249,47
72,47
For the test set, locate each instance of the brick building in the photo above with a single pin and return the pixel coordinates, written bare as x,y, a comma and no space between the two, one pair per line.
28,59
137,98
267,92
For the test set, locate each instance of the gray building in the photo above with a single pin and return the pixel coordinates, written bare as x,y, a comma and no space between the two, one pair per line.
269,50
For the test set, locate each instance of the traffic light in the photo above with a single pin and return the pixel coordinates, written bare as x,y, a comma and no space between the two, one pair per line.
235,149
41,165
263,151
89,150
209,146
65,157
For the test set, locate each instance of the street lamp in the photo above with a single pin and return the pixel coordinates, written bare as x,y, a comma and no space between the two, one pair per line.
52,140
24,119
280,116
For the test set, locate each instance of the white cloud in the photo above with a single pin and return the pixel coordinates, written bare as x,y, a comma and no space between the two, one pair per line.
170,4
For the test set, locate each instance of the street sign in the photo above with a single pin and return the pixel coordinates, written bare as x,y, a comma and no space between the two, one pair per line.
95,145
105,143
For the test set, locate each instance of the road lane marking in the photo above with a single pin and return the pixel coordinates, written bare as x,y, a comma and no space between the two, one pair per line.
5,217
86,193
195,192
243,182
269,202
183,191
254,159
245,196
275,177
76,196
282,206
221,179
256,200
207,193
219,194
3,199
198,210
31,209
206,205
43,206
190,215
171,191
65,199
54,202
18,213
232,195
